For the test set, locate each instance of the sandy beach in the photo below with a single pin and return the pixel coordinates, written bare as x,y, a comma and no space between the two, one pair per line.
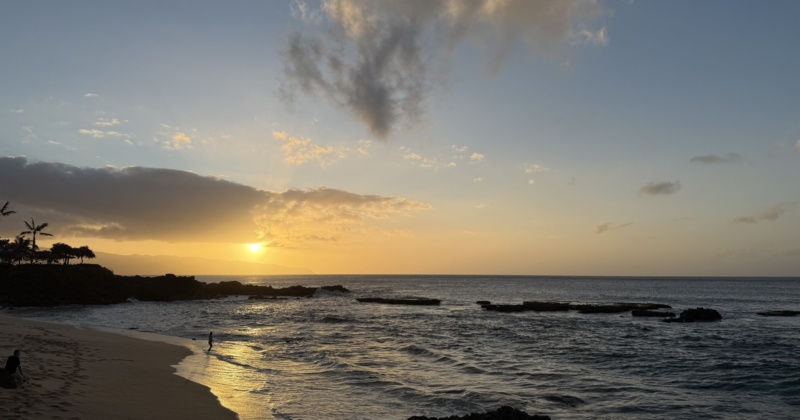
85,374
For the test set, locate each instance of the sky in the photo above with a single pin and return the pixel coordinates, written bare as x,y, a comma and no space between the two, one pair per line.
540,137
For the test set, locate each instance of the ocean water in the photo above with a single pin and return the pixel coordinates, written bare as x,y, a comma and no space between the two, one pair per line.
330,357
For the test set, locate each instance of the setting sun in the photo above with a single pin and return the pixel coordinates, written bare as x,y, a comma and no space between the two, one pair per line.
254,247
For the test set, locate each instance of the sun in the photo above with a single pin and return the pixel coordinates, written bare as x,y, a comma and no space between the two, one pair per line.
254,247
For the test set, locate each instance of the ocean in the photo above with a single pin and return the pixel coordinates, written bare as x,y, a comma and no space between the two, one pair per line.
331,357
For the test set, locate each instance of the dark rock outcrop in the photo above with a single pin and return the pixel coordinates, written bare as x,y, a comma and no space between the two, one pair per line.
505,308
778,313
483,302
649,313
697,315
502,413
408,301
542,306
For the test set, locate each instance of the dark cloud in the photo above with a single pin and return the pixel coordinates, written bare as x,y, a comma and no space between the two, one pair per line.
770,214
660,188
373,57
729,158
137,203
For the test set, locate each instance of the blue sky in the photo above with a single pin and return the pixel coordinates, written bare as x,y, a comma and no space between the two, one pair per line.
358,136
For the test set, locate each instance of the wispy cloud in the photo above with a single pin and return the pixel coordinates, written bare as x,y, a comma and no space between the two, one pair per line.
90,95
373,57
769,214
16,111
98,134
534,169
660,188
184,206
106,122
729,158
298,151
610,227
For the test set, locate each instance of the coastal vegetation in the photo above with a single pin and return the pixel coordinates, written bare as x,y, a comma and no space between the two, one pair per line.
24,250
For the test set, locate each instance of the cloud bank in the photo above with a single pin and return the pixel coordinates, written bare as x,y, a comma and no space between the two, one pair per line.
137,203
373,57
660,188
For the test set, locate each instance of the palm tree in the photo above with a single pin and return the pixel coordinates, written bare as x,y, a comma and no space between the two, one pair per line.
4,210
20,249
33,229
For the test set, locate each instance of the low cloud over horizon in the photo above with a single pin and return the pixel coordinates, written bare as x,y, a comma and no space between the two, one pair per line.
139,203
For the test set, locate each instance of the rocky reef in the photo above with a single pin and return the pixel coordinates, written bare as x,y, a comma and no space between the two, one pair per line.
91,284
697,315
502,413
584,308
407,301
778,313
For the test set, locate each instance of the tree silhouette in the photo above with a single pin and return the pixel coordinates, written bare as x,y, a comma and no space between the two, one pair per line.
20,249
63,252
84,252
33,229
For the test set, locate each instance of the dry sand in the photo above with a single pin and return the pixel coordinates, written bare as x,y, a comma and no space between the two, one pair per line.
84,374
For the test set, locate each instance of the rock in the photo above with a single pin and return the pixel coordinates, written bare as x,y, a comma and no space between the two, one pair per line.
502,413
649,313
540,306
408,301
483,302
337,288
697,315
778,313
263,297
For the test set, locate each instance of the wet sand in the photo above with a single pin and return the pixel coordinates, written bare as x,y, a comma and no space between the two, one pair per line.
86,374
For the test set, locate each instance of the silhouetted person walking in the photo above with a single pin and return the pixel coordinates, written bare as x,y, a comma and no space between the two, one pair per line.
210,340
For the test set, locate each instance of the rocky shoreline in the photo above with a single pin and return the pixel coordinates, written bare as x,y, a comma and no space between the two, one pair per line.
91,284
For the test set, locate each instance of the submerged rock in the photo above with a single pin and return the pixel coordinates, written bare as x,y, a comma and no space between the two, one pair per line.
505,308
697,315
408,301
483,302
502,413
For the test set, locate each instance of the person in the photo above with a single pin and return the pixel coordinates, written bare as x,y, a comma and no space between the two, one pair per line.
210,340
14,369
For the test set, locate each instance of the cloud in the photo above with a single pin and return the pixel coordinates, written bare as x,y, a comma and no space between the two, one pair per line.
98,134
729,158
797,145
770,214
374,58
534,169
16,111
610,227
106,122
90,95
179,140
325,214
660,188
298,151
137,203
477,157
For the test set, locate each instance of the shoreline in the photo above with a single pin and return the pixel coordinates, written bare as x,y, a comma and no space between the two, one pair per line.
81,373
